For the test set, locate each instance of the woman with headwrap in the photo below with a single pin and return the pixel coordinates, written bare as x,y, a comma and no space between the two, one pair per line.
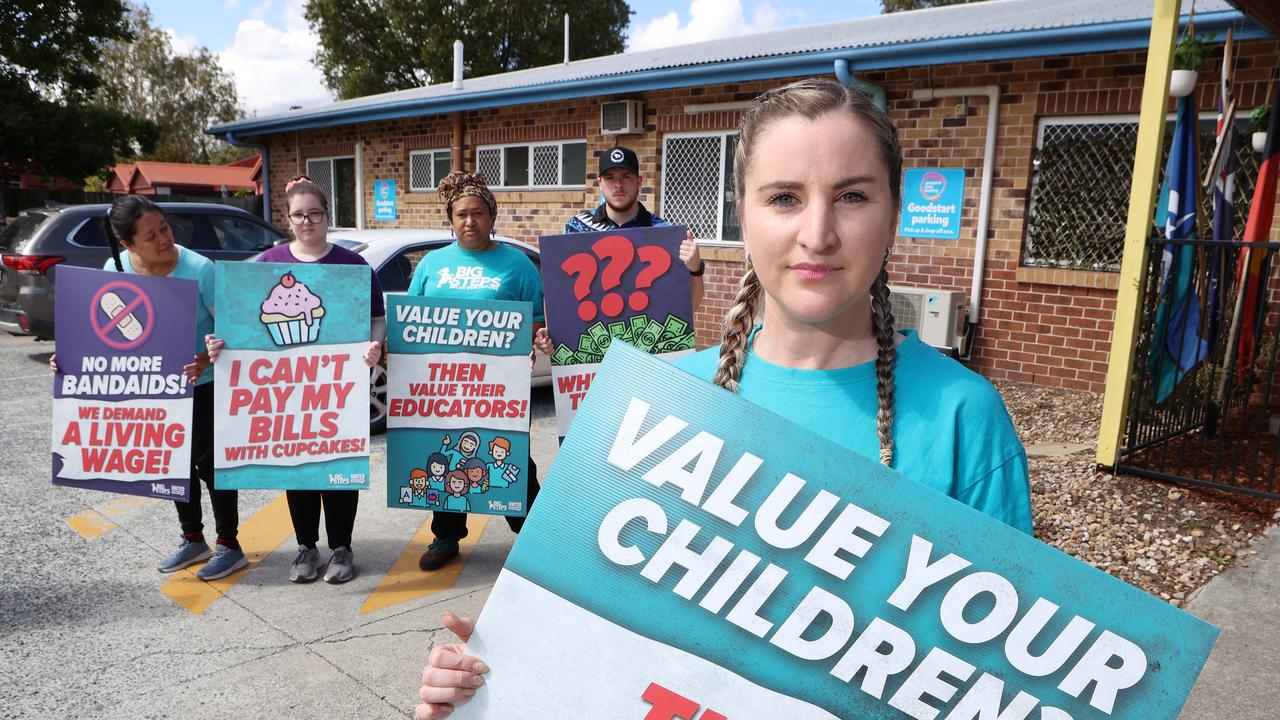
478,267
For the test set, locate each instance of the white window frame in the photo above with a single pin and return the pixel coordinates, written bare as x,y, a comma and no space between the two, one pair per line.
435,181
331,191
1108,119
718,240
502,159
1043,123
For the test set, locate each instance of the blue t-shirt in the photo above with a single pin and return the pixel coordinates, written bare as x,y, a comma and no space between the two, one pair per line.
191,266
951,430
500,272
498,474
456,503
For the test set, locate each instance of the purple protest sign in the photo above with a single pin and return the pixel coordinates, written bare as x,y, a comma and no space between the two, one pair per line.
121,405
627,285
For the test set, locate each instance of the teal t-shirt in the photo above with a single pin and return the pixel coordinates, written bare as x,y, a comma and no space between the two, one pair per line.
456,503
499,273
191,266
951,430
498,475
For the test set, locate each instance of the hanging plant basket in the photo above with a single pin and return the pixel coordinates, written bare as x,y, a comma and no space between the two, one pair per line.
1259,141
1182,83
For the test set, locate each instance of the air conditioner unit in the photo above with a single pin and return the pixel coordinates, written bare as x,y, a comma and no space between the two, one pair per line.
621,117
937,316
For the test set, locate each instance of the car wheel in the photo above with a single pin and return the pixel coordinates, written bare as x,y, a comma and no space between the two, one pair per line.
378,398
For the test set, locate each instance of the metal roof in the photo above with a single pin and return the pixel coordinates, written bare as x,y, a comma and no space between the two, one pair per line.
990,30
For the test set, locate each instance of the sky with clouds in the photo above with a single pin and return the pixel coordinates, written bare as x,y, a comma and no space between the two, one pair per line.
267,45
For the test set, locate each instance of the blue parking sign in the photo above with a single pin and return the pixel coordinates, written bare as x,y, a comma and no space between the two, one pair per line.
384,200
931,203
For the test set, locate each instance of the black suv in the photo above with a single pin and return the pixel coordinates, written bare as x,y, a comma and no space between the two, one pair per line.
39,240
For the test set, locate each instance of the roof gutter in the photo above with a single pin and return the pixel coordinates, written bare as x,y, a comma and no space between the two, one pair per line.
846,78
231,138
1125,35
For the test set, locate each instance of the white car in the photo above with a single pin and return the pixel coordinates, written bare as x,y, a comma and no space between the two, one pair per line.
393,254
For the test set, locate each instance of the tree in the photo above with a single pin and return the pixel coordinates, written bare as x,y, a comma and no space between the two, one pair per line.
374,46
183,94
893,6
49,53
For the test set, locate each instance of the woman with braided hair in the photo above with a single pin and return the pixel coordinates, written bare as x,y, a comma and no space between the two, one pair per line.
477,267
810,336
817,175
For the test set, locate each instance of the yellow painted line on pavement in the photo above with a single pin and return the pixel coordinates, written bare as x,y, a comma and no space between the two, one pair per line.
90,524
405,581
94,522
258,536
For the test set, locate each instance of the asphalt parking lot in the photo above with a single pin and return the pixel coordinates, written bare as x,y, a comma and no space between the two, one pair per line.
92,630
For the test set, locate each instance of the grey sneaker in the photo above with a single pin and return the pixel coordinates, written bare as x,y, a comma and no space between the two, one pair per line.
187,553
306,566
226,560
340,567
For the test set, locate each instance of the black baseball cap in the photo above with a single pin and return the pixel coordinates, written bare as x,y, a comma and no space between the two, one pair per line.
619,157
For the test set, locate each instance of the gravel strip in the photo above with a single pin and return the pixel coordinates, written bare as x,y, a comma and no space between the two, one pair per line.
1168,540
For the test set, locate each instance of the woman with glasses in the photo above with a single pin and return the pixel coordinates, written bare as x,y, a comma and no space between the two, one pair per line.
308,212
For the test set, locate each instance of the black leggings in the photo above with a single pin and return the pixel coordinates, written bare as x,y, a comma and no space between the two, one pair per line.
453,525
339,515
226,515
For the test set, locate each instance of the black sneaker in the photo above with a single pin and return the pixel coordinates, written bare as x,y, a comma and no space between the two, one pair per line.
437,554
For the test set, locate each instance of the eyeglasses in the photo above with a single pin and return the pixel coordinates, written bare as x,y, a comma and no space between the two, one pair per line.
314,217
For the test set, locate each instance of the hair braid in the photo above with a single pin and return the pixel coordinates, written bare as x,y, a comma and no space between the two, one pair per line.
737,330
886,355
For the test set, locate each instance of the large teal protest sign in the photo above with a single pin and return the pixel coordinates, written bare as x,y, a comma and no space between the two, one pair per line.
693,555
932,202
291,390
458,378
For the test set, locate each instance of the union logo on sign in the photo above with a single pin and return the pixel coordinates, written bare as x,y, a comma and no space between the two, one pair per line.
932,185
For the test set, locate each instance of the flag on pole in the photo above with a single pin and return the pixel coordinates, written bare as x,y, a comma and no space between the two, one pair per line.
1224,192
1176,346
1253,263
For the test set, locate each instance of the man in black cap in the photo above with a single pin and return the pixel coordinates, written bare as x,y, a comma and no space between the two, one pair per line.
619,180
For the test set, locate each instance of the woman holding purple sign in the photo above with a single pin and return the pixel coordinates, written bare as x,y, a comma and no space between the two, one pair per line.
810,335
137,225
308,212
477,267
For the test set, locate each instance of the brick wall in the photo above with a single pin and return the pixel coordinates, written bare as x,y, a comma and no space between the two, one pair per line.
1040,325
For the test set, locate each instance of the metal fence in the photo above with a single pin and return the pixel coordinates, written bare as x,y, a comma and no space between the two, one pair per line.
1219,426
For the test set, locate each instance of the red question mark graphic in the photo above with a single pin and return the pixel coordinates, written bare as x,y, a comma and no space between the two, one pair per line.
617,252
657,261
583,269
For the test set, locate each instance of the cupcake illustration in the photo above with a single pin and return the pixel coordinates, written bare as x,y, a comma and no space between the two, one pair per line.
292,312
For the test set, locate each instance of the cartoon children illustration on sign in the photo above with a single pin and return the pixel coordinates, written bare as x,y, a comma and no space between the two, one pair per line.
426,486
466,448
292,312
457,486
432,487
477,474
502,474
420,492
437,466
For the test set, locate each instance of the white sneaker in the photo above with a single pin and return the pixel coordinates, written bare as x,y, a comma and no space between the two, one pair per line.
341,566
306,566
